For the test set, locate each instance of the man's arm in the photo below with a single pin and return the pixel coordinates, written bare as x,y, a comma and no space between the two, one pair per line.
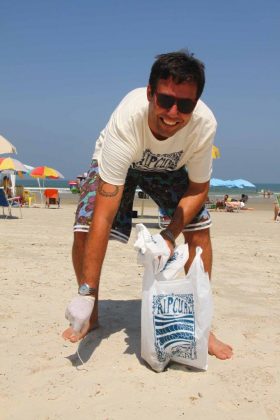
107,202
189,206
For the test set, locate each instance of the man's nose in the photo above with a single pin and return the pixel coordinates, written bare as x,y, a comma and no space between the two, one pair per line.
173,110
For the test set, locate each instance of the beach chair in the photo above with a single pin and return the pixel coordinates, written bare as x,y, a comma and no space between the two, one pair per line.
52,197
143,196
232,206
19,192
29,198
9,203
163,218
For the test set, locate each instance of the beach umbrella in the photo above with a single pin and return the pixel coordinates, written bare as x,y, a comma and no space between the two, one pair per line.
243,183
215,152
12,165
45,172
229,183
215,182
6,146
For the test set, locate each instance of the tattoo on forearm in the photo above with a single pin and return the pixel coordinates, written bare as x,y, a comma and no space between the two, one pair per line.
107,190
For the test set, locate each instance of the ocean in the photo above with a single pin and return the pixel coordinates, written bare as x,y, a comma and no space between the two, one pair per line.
63,184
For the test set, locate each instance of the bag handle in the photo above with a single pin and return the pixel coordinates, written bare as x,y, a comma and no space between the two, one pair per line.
197,261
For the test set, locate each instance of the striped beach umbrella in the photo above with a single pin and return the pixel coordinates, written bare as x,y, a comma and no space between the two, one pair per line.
45,172
13,165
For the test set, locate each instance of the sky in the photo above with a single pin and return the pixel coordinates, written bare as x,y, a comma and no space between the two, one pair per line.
66,64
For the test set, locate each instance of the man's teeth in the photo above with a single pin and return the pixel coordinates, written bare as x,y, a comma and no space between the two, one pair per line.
171,123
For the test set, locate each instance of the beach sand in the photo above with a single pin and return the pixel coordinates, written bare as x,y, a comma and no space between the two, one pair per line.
41,376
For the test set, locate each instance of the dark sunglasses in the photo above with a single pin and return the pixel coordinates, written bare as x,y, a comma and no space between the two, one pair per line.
184,105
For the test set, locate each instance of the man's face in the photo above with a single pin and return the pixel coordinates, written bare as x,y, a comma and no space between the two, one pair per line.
163,122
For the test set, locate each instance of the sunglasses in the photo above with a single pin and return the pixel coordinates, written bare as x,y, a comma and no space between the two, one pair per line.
184,105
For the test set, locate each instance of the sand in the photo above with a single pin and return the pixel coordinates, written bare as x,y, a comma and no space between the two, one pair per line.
41,376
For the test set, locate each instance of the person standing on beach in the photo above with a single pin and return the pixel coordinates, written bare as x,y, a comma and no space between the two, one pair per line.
159,138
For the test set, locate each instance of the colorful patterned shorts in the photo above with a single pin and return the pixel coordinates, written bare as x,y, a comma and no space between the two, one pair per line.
165,188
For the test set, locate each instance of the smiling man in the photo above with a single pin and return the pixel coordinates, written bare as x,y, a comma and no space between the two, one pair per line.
159,138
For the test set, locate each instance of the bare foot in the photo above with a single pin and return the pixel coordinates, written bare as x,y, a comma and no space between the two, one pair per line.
218,348
73,336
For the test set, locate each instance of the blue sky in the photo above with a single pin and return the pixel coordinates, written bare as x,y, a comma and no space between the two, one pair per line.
65,65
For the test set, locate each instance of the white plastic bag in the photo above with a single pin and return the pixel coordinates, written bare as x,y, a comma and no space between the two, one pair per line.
176,313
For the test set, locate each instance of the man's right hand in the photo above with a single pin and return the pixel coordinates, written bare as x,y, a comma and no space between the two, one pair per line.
78,313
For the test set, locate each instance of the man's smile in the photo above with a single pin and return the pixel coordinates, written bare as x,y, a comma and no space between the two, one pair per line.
170,123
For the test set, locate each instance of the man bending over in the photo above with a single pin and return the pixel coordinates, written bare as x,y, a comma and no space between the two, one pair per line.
160,139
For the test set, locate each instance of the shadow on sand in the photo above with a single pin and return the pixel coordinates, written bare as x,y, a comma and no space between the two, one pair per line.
115,315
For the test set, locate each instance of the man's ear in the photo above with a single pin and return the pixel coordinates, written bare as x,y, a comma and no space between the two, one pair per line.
149,93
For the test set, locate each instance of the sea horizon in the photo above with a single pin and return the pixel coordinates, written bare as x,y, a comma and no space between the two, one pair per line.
64,184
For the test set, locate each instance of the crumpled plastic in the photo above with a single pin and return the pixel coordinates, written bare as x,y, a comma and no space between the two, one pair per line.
151,248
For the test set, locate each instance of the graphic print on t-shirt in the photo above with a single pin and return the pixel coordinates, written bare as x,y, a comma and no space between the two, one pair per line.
157,161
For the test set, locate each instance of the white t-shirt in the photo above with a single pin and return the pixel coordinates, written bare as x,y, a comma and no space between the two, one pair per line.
128,141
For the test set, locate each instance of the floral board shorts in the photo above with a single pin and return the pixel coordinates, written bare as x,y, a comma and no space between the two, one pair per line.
165,188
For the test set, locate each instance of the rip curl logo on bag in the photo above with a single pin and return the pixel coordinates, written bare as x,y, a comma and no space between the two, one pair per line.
174,326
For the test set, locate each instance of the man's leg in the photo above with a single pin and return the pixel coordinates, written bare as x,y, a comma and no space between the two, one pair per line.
202,238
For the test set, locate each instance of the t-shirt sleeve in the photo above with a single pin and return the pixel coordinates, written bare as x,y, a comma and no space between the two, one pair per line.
200,163
119,149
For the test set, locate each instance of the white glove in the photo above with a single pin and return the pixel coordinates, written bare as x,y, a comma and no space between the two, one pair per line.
151,248
79,310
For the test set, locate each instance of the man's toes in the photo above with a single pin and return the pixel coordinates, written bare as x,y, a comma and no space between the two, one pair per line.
67,333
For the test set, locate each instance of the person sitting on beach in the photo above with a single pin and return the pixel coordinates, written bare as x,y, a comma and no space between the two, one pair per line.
152,135
244,198
237,205
220,204
7,186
